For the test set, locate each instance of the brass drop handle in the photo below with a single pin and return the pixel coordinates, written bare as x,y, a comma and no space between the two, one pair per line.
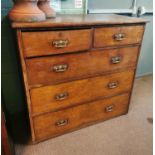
60,68
109,108
61,96
116,60
61,122
112,85
60,43
119,36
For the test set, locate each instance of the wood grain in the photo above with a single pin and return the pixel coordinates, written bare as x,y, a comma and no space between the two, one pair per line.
81,20
40,70
78,40
43,98
81,92
104,37
45,125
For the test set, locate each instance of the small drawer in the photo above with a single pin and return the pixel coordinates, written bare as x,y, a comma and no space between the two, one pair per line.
55,97
58,69
121,35
57,123
55,42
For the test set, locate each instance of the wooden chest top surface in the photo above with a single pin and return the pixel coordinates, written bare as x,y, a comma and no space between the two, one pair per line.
81,20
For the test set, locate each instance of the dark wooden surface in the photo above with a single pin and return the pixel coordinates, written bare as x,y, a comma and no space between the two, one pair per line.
26,86
81,20
6,148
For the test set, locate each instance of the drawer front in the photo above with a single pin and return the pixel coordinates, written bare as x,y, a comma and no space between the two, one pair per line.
57,123
123,35
57,69
72,93
55,42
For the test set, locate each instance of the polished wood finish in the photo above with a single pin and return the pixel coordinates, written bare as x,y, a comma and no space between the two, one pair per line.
77,70
102,39
43,99
81,20
45,45
46,125
41,71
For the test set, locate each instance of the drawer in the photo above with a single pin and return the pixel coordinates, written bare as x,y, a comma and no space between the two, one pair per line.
120,35
58,69
57,123
55,42
60,96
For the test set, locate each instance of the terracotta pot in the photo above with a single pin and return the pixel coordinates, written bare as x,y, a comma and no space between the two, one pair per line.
44,5
26,11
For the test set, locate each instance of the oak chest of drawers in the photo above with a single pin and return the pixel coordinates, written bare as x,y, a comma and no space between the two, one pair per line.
77,70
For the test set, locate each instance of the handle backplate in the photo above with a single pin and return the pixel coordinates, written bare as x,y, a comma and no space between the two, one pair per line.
113,85
60,68
61,96
109,108
61,122
119,36
60,43
116,60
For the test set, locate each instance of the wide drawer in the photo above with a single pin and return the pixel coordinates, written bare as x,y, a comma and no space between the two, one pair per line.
57,123
120,35
59,96
55,42
57,69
